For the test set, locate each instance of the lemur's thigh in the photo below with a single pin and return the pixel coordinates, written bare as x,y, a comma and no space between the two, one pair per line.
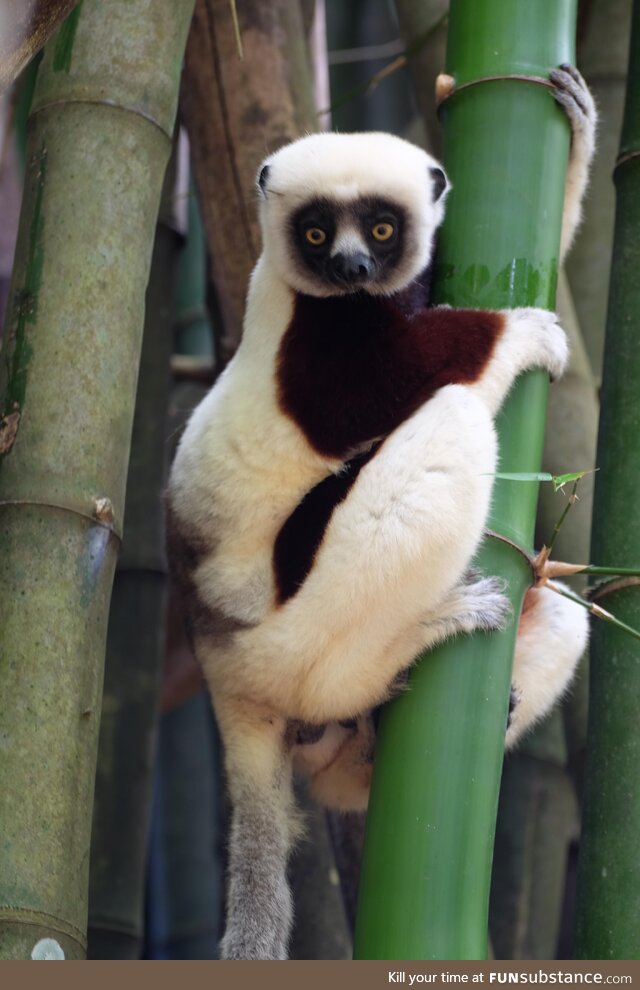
402,538
415,515
552,637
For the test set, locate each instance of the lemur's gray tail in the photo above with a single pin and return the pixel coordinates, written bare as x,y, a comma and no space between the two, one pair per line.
263,828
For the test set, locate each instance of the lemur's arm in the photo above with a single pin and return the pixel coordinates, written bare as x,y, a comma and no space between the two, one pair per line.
573,96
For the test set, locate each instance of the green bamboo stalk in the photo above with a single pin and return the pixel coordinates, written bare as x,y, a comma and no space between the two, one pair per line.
135,640
537,812
427,863
99,139
609,866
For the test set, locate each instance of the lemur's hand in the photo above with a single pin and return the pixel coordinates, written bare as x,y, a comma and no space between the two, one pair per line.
571,92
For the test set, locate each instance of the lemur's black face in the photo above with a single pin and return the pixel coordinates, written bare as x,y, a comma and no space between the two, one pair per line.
349,245
350,213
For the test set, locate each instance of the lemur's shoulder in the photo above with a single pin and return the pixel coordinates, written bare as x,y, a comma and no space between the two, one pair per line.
351,369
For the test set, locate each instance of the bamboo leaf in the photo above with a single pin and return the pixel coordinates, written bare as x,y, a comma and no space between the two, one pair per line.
559,480
524,476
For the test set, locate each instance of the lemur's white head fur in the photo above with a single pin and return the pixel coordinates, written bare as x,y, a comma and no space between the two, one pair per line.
350,212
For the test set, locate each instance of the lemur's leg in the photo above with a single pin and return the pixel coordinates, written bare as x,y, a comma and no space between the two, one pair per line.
339,763
405,533
572,94
552,637
263,829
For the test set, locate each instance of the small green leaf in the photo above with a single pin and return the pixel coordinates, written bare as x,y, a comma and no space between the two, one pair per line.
563,479
524,476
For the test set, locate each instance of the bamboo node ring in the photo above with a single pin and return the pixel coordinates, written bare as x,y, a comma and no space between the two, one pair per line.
446,84
616,584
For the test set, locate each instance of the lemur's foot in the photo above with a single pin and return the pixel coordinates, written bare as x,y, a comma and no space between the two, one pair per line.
468,607
572,93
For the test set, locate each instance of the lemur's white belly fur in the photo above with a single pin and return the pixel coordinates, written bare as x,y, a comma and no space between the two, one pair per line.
379,548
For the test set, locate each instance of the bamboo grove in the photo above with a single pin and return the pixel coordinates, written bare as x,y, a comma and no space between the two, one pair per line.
126,299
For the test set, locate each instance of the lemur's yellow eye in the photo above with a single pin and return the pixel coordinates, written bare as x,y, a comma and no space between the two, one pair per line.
315,236
382,231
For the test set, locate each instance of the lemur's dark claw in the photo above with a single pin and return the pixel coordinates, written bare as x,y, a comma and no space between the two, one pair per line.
513,701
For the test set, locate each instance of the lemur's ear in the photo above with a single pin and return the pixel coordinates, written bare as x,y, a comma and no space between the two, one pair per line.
262,180
440,182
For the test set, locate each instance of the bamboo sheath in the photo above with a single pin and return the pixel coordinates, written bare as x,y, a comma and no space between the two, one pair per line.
98,143
609,868
427,860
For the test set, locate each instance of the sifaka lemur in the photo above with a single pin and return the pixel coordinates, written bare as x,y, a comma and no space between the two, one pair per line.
330,492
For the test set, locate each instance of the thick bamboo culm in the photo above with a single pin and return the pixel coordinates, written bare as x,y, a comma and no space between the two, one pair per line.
609,867
135,640
428,849
99,139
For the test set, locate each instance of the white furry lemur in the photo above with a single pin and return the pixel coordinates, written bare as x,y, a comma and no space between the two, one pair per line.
330,492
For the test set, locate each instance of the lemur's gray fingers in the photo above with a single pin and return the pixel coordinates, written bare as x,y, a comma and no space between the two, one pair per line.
572,106
575,73
572,93
493,606
469,607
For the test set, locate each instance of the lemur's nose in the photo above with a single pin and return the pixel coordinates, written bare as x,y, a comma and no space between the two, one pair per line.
351,269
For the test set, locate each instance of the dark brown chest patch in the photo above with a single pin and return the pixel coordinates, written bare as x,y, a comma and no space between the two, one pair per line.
301,535
353,368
